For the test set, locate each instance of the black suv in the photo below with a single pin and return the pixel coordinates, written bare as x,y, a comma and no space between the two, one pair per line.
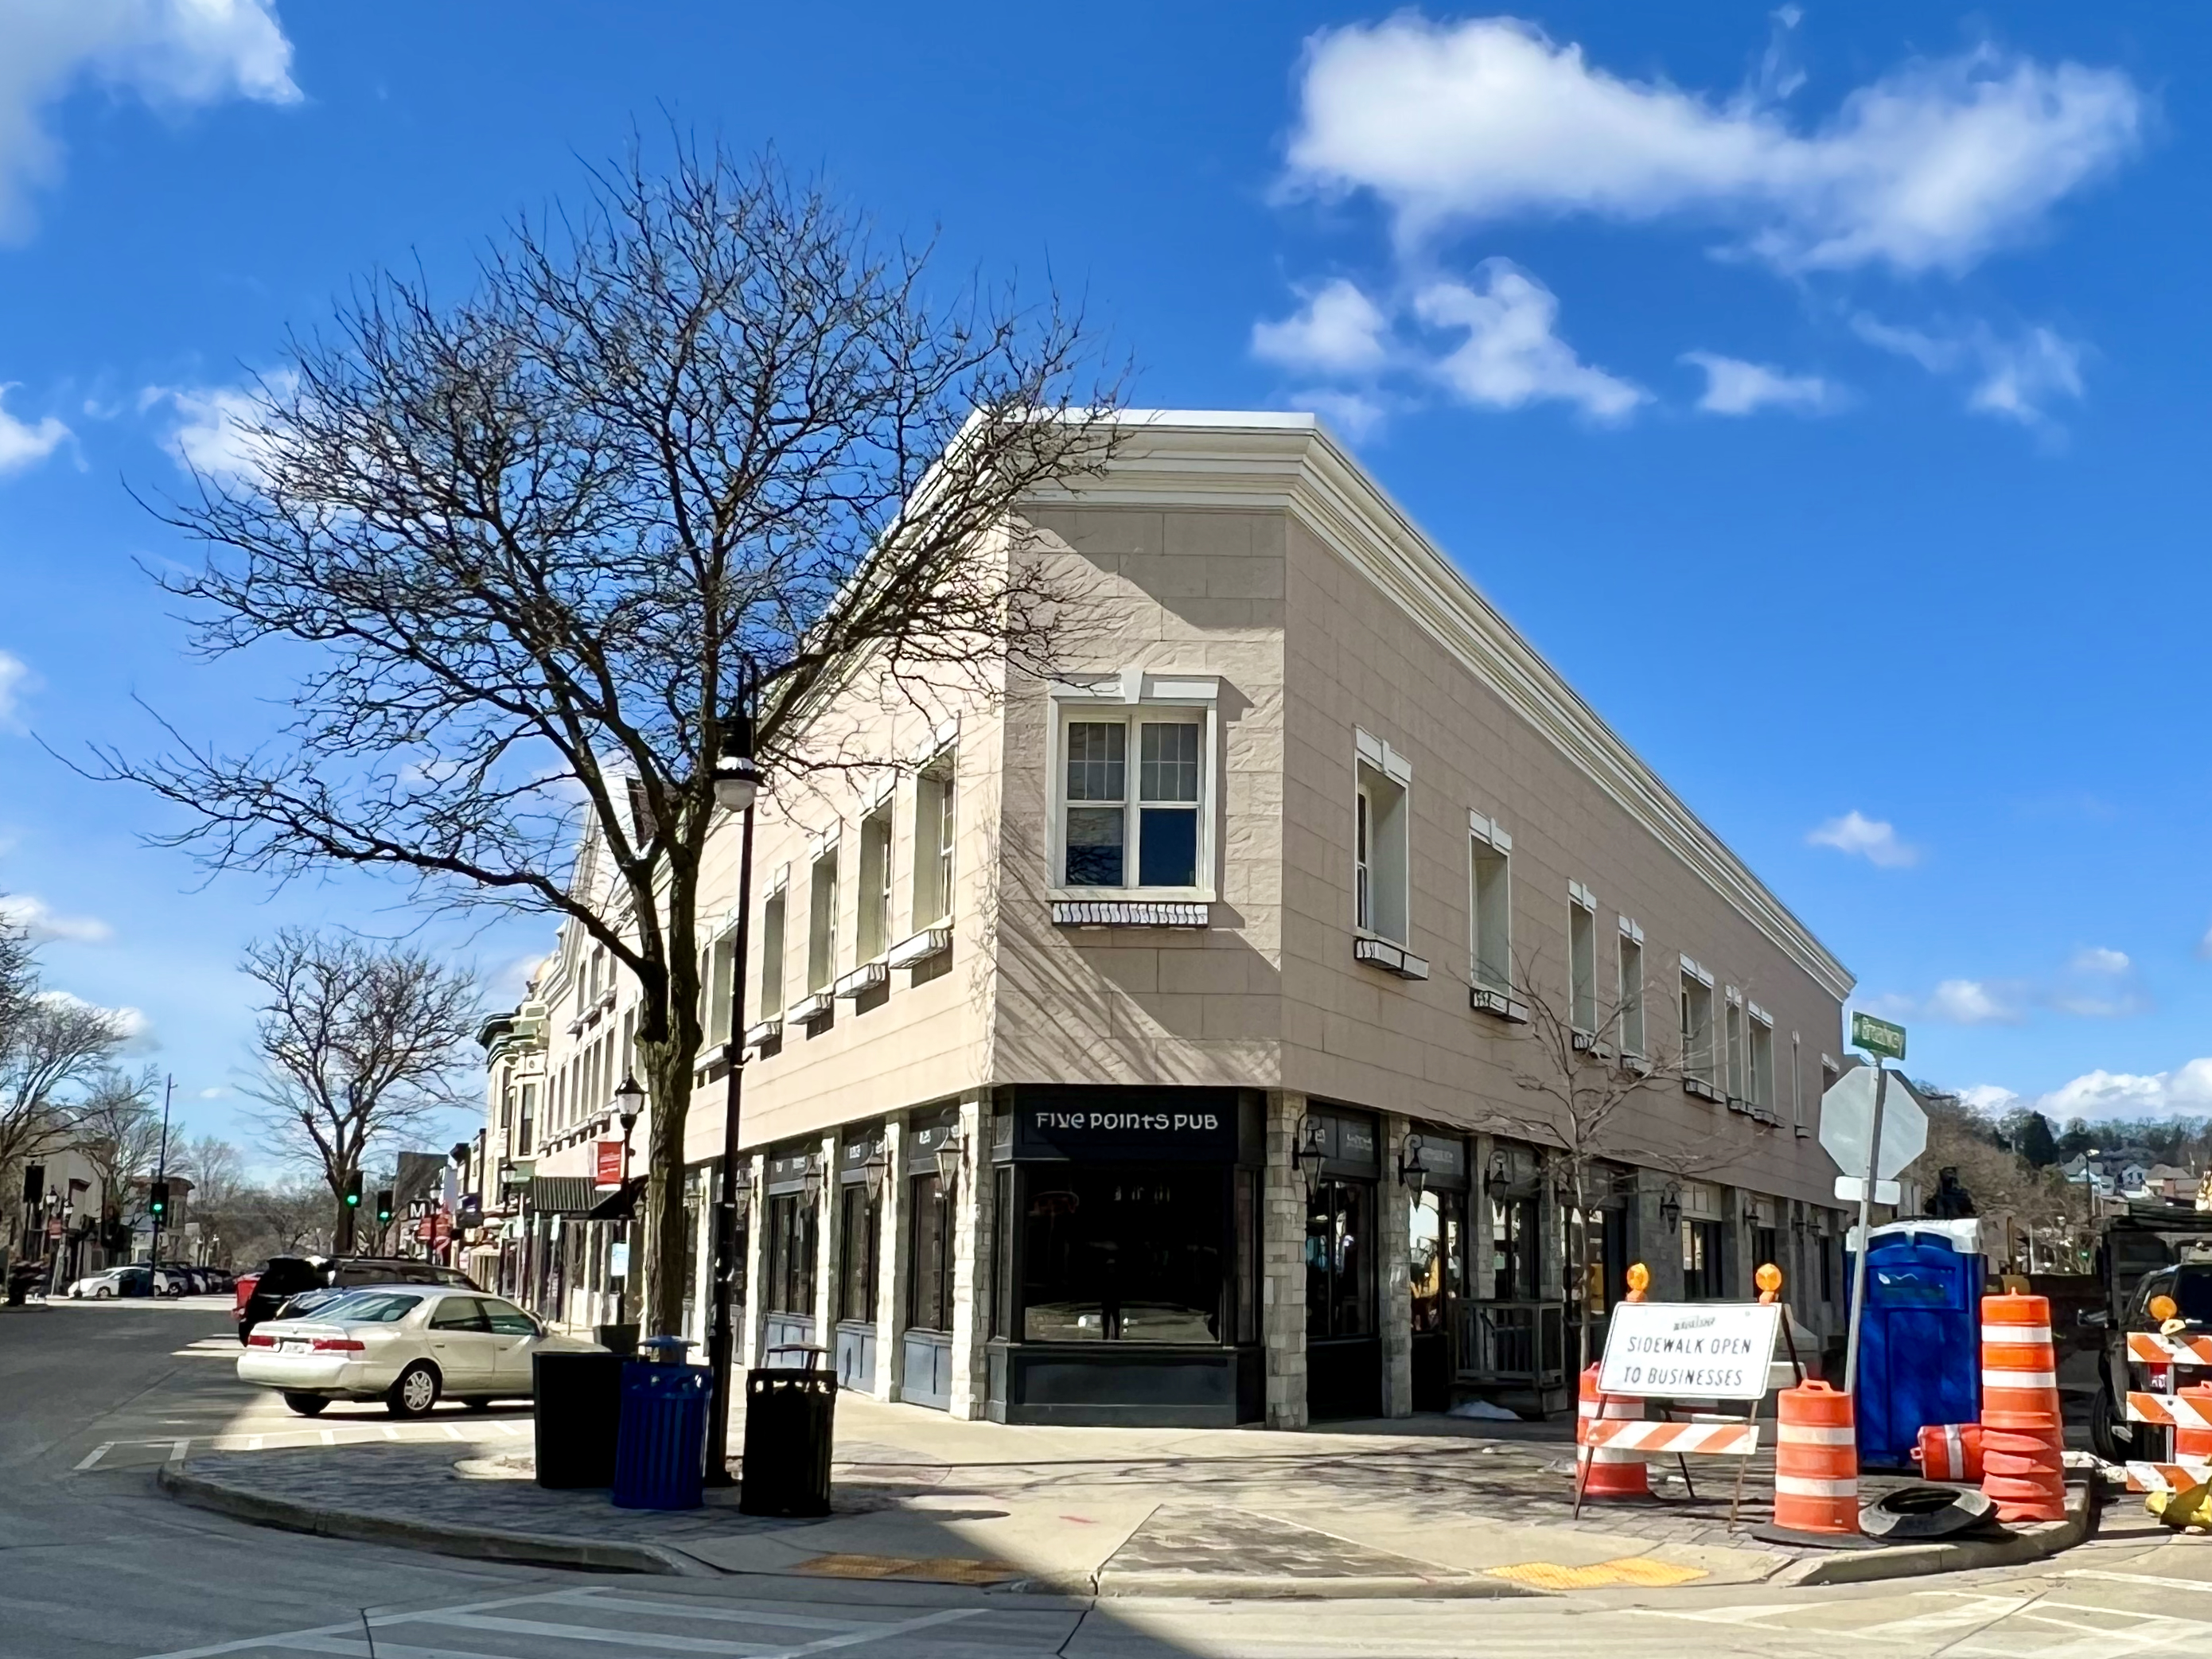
284,1277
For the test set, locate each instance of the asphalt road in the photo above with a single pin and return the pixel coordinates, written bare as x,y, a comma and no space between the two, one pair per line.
96,1564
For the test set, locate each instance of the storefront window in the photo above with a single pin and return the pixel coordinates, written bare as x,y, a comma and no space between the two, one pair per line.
929,1254
1702,1279
1436,1221
1341,1259
1517,1265
857,1226
1123,1254
790,1253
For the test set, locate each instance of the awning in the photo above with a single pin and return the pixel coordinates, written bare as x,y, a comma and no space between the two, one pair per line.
560,1194
620,1204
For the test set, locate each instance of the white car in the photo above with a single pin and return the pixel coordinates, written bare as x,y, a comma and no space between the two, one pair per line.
406,1345
96,1286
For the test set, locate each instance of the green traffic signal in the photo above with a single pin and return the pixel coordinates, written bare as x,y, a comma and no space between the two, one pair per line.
383,1206
353,1191
157,1200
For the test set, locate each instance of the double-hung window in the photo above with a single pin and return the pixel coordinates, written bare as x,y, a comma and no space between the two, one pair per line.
771,949
1133,792
1491,853
1738,1079
934,825
1632,990
874,924
1582,959
822,921
1760,1059
1698,1067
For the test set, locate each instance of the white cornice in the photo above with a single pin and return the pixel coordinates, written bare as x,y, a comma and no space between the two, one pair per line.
1290,462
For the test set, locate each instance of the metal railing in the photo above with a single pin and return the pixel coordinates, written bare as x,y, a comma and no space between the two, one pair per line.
1512,1342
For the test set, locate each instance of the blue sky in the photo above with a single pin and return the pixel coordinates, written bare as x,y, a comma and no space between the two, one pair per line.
1816,388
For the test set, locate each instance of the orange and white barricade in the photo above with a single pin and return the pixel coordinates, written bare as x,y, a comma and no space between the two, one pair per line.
1816,1461
1950,1451
2023,1446
2176,1476
1609,1469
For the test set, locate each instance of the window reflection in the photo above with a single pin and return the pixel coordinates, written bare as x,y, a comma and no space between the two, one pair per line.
1340,1259
1118,1254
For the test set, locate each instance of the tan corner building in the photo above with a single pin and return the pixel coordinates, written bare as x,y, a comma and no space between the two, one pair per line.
1151,1047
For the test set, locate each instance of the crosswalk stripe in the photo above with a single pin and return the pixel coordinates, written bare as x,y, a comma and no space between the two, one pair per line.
95,1454
625,1638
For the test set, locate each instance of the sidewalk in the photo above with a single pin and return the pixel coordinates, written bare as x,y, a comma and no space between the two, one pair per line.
1430,1507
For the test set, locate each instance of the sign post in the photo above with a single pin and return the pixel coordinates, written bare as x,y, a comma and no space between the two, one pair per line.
1884,1041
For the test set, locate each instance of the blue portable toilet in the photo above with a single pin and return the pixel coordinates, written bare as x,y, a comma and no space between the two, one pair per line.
1920,1344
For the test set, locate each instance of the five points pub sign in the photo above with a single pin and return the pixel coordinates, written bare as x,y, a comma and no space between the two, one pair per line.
1691,1351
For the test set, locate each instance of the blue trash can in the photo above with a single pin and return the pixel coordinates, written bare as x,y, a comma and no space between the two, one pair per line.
661,1448
1920,1354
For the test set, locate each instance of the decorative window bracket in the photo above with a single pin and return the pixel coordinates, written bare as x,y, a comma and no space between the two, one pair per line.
919,948
863,979
1129,913
1485,999
1390,958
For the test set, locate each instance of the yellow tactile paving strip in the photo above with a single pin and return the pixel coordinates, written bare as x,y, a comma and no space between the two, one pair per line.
1637,1570
942,1569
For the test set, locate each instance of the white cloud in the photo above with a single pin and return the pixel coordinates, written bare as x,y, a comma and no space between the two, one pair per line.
217,1093
138,1031
2187,1088
22,445
2100,959
1933,167
214,432
2014,379
1872,839
1968,1002
1734,387
37,920
15,678
1355,413
2204,946
1511,355
1338,330
171,53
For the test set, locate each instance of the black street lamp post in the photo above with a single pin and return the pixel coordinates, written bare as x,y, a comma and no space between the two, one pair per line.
736,784
629,1100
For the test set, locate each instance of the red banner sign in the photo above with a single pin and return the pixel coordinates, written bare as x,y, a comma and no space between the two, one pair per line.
432,1229
611,1162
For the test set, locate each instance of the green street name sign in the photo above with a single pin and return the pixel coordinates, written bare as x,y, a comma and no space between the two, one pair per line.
1877,1036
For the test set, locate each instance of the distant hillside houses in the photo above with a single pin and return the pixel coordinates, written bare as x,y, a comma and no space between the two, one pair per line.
2132,1172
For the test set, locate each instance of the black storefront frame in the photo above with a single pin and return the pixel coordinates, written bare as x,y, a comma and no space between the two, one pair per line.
857,1214
790,1250
1445,1157
1344,1365
1040,1135
925,1349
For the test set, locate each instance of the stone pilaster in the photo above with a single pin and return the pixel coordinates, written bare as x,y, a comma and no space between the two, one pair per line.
1651,1242
891,1265
1283,1267
1394,1269
750,1316
971,1264
827,1264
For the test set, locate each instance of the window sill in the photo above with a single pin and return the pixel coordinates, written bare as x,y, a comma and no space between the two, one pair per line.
918,948
766,1031
808,1008
1391,959
1586,1043
1634,1066
1485,1000
1701,1089
863,979
1130,912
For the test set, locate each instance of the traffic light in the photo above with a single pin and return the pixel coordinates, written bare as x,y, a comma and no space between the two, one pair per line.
353,1191
158,1202
383,1206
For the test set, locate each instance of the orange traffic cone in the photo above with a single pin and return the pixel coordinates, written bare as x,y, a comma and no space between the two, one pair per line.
2022,1434
1816,1461
1611,1473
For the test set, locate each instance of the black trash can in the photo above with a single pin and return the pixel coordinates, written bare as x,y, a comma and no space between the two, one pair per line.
791,1418
578,1403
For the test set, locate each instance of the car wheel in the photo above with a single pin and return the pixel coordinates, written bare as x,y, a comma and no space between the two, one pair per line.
308,1404
2113,1440
416,1391
103,1293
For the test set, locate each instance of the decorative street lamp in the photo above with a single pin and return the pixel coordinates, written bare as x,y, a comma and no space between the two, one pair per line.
1670,1208
876,1171
1497,1183
1306,1154
949,1152
1411,1173
737,786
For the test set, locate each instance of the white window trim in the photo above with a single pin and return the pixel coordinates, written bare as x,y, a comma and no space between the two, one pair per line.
1632,934
1630,930
1699,974
1381,759
1132,691
1580,897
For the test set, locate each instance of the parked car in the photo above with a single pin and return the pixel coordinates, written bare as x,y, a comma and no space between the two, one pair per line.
114,1282
406,1345
259,1296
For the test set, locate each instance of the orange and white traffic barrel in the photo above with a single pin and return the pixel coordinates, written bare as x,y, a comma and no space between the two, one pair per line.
1610,1473
1950,1451
2023,1440
2194,1442
1816,1461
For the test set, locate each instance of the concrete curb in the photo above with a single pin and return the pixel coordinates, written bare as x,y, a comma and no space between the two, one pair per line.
1256,1587
2031,1542
477,1543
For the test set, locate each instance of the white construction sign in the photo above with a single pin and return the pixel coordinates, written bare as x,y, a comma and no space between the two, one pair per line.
1689,1349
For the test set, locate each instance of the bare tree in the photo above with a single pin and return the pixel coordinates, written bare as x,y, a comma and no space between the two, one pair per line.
217,1169
117,1129
359,1044
530,541
50,1047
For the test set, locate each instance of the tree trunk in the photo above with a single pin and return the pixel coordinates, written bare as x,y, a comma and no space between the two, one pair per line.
669,1246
